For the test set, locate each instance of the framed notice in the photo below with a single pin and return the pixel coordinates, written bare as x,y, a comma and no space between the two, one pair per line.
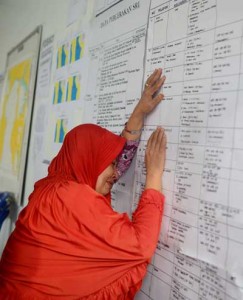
16,112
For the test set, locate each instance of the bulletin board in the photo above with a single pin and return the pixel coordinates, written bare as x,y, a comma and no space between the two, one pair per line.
199,46
16,111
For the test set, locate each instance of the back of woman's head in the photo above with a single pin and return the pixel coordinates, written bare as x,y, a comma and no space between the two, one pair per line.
86,151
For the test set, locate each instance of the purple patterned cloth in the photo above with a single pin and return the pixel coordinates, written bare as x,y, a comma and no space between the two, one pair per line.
126,156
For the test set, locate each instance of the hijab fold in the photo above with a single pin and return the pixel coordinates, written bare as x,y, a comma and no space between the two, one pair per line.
87,150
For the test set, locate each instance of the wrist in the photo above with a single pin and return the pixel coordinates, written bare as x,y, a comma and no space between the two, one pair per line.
138,112
136,120
154,173
132,131
153,182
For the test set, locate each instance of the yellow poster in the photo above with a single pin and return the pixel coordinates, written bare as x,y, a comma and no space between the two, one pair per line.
13,115
76,48
73,88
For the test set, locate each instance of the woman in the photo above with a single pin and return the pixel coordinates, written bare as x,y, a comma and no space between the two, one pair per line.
68,242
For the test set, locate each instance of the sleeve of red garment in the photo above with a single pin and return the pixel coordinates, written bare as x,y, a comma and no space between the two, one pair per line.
140,234
113,235
147,220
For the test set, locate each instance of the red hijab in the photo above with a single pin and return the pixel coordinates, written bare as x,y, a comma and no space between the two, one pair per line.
87,150
68,242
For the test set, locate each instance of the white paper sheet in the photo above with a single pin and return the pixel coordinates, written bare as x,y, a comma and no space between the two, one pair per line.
200,49
116,58
116,64
45,63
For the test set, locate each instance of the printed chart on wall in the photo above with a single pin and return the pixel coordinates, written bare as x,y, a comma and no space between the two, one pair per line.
116,58
68,88
199,46
15,113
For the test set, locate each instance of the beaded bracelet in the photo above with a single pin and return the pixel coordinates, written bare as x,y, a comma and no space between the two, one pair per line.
133,132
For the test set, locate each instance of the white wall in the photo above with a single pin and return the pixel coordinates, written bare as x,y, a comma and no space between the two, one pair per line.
19,17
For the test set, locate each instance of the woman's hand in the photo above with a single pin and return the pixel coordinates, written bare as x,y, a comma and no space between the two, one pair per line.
155,159
149,100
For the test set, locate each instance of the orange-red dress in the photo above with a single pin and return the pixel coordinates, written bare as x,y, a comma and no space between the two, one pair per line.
68,242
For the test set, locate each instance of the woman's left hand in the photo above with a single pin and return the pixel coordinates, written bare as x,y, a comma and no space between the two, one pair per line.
149,100
150,97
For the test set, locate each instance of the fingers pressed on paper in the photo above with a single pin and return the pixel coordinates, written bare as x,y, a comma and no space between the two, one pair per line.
158,99
162,79
159,138
150,140
163,141
150,78
155,139
156,77
158,85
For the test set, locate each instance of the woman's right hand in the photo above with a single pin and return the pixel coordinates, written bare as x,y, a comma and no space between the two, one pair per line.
155,159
